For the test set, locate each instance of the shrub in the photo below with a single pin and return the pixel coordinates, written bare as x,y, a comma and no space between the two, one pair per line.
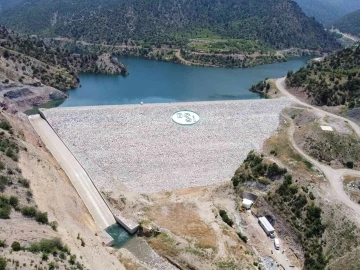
5,212
62,256
242,237
79,266
24,182
28,211
6,54
15,246
226,218
11,154
3,263
45,257
5,125
54,225
308,164
72,259
48,246
2,243
14,201
5,208
52,265
350,164
42,217
274,171
4,181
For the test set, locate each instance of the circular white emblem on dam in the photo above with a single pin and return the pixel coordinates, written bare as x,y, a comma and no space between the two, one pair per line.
186,117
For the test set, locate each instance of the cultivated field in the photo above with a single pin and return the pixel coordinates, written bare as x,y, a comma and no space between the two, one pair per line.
139,146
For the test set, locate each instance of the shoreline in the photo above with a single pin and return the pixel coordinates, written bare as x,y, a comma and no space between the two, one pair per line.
169,104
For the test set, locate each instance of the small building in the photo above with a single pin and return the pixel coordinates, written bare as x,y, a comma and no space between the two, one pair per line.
246,203
249,196
265,224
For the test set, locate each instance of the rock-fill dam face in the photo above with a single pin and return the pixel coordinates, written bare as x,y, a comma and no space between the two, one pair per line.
159,147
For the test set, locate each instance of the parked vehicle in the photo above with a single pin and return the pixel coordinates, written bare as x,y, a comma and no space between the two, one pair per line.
277,243
265,224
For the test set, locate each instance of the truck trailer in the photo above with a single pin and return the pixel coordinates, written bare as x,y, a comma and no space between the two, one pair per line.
267,227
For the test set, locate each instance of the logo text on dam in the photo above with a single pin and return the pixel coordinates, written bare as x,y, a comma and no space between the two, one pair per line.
186,117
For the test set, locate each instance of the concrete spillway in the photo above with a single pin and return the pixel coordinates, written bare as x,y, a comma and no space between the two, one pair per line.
93,200
81,181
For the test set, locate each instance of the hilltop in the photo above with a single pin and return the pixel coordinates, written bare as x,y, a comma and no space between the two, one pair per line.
279,24
333,81
349,23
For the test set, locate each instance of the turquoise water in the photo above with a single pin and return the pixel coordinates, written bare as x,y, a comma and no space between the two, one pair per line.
119,234
155,82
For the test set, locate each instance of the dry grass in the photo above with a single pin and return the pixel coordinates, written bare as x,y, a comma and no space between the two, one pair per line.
181,220
332,148
349,179
351,186
163,247
348,262
282,150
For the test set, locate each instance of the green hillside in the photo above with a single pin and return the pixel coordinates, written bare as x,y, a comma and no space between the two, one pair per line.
327,11
349,23
24,58
333,81
277,23
5,4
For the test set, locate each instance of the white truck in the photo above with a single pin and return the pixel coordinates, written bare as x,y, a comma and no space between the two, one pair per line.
267,227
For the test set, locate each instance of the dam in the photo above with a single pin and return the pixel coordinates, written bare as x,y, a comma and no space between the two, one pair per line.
140,148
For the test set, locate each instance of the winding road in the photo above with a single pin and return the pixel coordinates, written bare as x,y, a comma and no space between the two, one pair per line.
334,176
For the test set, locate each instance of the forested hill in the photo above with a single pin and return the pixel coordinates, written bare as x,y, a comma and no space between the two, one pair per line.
24,58
327,11
349,23
278,23
333,81
5,4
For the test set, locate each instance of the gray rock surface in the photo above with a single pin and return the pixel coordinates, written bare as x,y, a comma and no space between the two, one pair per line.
17,97
141,148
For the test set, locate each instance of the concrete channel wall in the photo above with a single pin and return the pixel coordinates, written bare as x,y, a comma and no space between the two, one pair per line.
86,189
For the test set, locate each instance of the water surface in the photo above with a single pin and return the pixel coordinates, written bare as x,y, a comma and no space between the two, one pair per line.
119,234
156,82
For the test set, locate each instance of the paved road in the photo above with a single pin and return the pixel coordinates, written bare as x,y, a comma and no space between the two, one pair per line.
334,176
80,180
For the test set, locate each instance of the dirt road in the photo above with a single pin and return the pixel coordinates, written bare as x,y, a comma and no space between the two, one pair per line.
265,245
334,176
80,180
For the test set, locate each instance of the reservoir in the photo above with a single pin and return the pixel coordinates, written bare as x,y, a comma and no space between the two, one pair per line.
157,82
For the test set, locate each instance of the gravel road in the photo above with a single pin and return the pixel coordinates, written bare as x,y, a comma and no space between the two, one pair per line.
334,176
141,148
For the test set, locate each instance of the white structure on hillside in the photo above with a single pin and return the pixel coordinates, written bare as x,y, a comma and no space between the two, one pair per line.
246,203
